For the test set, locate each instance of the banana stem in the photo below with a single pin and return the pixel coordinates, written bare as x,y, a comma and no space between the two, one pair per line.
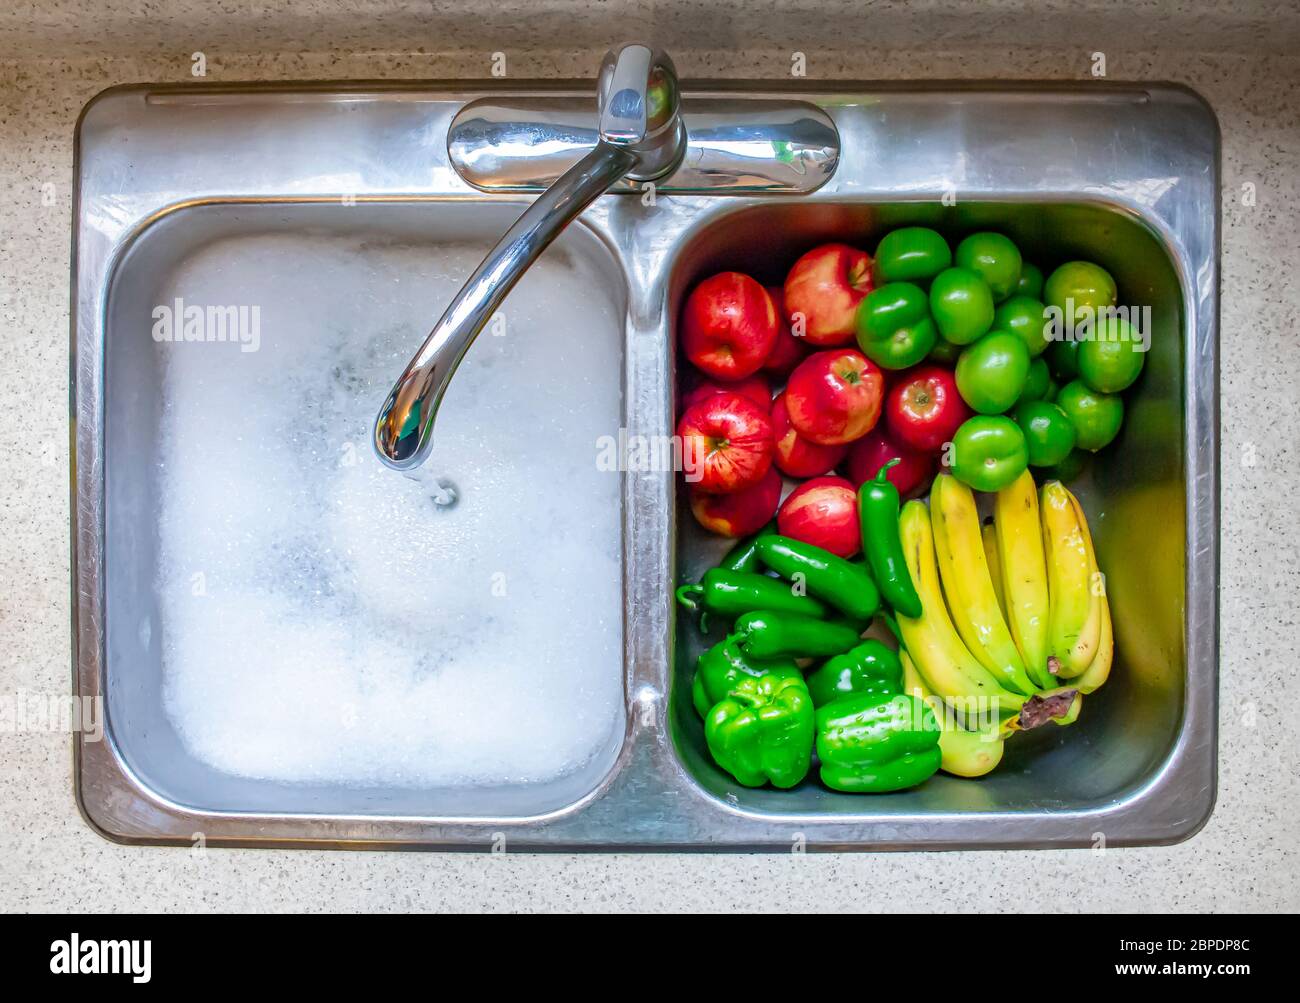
1038,710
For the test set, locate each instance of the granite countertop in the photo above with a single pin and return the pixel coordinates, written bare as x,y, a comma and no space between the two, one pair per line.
1244,63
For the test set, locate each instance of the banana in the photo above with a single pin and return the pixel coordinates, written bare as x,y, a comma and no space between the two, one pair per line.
989,534
1074,612
1097,673
940,656
968,585
1019,537
965,753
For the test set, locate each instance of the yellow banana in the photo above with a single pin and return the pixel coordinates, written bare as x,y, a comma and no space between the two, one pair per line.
1019,537
1074,613
989,534
965,753
1097,673
968,585
942,659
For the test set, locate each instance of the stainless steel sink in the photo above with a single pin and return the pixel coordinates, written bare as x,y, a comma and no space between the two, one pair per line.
1124,175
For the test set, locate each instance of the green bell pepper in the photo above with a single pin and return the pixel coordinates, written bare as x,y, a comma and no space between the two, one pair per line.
873,744
730,594
721,667
763,731
767,634
869,668
910,254
844,584
894,325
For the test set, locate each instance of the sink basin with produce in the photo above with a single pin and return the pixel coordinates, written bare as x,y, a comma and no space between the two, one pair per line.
296,646
1131,726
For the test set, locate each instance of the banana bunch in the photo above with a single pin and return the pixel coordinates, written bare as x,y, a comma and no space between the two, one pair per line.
1014,628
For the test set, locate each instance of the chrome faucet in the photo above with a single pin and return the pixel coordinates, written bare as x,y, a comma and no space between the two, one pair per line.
642,138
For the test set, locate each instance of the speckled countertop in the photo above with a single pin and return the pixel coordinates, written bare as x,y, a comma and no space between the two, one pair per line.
1240,57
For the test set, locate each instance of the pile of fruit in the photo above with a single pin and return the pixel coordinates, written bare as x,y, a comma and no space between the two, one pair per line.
994,627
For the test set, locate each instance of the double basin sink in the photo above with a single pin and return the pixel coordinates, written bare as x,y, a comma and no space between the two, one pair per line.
252,187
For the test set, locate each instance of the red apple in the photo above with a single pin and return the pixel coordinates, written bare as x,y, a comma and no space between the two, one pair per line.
825,287
795,455
834,397
823,512
912,473
788,350
726,442
925,410
740,513
729,325
755,387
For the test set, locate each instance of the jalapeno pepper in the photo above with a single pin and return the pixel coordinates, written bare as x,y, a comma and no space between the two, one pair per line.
730,594
869,668
844,584
721,667
892,624
744,555
878,512
767,634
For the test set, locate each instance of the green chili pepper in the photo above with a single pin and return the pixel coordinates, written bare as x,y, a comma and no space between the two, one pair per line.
892,624
721,667
741,557
869,668
730,594
878,512
766,634
873,744
844,584
744,555
763,731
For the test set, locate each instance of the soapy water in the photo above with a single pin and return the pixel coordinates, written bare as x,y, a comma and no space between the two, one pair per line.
326,619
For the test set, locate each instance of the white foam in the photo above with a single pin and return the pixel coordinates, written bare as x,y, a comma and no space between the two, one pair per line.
352,629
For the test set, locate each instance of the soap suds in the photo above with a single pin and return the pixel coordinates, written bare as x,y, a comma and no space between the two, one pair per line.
325,619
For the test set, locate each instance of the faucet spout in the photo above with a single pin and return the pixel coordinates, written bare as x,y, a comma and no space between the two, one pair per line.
641,136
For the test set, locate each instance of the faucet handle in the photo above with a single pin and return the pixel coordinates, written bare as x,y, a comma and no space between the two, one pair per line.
639,108
622,94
